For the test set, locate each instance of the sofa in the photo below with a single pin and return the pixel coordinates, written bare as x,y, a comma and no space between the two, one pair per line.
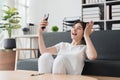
107,44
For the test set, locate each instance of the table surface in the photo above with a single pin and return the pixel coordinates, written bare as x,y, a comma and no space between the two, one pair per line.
26,75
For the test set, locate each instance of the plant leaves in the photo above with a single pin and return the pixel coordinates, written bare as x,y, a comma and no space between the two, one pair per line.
6,17
16,26
14,21
11,16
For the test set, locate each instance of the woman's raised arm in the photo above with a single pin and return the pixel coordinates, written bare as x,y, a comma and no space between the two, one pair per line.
42,47
90,51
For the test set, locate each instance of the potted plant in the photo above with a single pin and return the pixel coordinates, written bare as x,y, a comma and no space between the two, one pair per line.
54,28
11,21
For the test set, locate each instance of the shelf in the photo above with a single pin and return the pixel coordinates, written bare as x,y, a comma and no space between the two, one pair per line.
113,21
92,5
71,21
109,9
68,24
113,2
109,0
101,22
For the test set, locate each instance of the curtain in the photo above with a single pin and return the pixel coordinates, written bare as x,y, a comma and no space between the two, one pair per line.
22,7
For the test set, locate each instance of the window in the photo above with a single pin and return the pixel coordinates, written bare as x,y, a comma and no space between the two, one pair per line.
23,6
1,4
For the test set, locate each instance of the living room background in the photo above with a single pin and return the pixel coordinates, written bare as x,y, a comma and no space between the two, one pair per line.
58,10
32,11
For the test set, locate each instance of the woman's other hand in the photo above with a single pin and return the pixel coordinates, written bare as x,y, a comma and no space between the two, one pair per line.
90,50
88,29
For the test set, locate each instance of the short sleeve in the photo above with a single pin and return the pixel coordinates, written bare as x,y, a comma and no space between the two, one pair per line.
85,48
58,46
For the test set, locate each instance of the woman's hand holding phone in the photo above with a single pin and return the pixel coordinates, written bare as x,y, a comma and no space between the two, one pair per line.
43,23
46,16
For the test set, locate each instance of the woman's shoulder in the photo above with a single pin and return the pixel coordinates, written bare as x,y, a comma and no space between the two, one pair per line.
64,43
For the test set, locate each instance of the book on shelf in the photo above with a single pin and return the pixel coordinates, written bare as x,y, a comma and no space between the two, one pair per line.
115,26
102,0
91,16
90,1
88,19
93,1
91,9
116,17
116,10
91,12
87,1
115,6
116,14
96,27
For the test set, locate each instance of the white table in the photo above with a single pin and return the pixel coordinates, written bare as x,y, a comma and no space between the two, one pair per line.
26,75
31,37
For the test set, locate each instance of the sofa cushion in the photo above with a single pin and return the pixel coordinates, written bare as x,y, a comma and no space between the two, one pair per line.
107,44
52,38
102,68
28,64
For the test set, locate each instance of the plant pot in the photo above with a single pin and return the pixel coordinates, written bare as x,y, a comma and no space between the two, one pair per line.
7,59
9,43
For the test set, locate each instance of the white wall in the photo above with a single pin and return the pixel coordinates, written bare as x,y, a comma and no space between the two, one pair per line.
5,2
58,9
10,3
1,5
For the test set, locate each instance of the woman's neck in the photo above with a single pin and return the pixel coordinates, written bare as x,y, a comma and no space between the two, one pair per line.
75,42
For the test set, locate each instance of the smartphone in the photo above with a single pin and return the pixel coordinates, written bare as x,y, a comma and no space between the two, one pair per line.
46,16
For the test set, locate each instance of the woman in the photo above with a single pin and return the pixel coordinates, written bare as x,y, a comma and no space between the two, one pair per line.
70,56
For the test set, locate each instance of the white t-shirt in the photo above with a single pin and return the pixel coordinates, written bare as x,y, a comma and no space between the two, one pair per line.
74,53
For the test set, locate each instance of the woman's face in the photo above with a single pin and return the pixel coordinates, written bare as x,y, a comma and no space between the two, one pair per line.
77,32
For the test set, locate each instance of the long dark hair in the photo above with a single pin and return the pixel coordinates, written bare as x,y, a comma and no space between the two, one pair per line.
83,26
81,22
